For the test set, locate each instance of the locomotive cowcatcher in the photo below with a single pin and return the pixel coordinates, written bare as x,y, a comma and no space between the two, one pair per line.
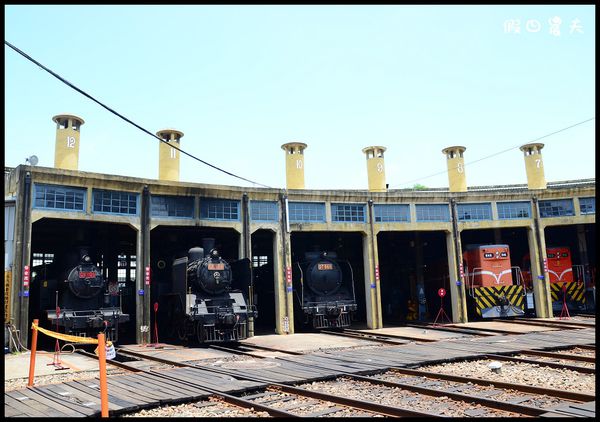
489,279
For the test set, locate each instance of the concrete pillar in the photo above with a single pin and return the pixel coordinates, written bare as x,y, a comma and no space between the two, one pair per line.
294,164
66,150
375,168
371,271
246,253
457,180
284,294
168,157
457,292
539,278
140,273
280,282
370,285
534,165
19,295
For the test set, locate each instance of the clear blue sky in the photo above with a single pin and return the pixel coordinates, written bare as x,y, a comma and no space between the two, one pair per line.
240,81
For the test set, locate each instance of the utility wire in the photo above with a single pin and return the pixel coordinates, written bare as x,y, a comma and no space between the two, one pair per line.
500,152
125,118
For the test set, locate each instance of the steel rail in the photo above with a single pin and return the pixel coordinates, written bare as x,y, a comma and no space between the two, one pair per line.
270,349
232,350
453,329
224,396
378,408
582,369
365,336
564,356
550,323
491,330
581,397
501,405
389,335
359,404
111,362
587,347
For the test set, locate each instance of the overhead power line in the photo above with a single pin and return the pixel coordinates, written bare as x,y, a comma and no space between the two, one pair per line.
500,152
125,118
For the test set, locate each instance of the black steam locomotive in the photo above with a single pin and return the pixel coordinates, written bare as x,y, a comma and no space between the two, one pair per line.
85,306
208,301
325,290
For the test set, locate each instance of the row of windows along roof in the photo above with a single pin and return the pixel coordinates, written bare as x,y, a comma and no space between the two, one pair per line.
127,203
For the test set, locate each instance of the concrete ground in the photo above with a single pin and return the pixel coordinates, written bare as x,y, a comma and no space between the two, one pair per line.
16,365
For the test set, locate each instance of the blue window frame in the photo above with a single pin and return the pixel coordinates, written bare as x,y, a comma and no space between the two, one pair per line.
474,211
511,210
264,211
348,212
433,212
114,202
391,213
172,206
59,197
587,205
556,208
301,212
219,209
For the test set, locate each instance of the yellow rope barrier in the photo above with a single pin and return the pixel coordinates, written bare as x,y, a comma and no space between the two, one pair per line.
67,337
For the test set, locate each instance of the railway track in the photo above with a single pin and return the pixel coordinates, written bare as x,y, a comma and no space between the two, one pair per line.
380,394
361,382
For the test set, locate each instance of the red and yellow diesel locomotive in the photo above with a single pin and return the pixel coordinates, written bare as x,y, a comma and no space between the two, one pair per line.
563,274
492,288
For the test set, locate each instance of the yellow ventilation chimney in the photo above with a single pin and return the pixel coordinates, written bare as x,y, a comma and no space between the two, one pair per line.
168,157
66,150
457,180
375,168
294,164
534,165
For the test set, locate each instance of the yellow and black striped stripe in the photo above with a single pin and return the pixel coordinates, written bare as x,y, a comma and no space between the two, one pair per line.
487,297
575,292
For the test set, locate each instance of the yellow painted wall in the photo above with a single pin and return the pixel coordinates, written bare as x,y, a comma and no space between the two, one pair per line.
294,165
169,157
534,166
375,168
457,180
66,149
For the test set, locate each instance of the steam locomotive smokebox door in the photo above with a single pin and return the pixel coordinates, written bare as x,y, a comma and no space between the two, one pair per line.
325,276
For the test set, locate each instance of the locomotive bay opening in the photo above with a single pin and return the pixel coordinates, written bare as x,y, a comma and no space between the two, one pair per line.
201,286
74,297
571,257
328,280
263,276
413,267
